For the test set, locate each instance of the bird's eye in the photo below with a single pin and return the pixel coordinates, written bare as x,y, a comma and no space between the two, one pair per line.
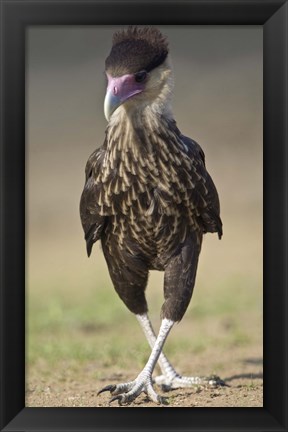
140,76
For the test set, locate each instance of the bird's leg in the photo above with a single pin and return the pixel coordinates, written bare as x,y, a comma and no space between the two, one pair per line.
170,379
127,392
165,366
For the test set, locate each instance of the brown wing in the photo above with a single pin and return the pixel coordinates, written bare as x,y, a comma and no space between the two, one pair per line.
205,195
92,223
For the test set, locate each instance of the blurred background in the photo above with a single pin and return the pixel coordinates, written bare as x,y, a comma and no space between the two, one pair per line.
75,321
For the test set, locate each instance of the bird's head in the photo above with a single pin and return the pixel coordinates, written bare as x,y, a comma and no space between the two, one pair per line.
138,70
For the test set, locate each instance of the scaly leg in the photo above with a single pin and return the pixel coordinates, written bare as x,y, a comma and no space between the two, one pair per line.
127,392
170,379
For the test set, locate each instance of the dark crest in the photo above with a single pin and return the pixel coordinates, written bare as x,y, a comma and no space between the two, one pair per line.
135,49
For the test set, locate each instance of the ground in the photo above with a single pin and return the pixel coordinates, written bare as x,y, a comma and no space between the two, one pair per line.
74,386
81,342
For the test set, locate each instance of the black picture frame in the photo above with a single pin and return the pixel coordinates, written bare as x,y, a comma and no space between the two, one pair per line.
15,17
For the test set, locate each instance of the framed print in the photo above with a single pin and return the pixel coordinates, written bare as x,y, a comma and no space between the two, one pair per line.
58,307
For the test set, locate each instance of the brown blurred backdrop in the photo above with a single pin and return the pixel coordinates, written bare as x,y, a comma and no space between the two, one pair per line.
217,101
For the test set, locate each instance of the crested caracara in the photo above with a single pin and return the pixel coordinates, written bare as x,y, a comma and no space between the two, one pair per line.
148,197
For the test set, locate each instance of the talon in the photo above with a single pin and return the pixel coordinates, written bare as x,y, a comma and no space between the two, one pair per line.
163,400
125,393
110,388
215,380
117,397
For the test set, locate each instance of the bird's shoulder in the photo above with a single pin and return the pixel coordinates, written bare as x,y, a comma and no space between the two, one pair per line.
90,191
94,163
93,223
194,150
205,193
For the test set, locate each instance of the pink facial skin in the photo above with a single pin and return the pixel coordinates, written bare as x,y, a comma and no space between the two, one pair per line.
124,87
119,89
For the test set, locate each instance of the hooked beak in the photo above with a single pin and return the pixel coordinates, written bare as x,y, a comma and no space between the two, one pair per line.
120,89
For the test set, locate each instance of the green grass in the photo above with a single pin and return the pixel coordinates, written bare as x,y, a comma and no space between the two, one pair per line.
94,325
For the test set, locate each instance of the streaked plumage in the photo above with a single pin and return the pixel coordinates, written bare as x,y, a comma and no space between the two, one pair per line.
148,196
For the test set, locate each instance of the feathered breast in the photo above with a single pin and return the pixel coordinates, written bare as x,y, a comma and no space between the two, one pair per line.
150,183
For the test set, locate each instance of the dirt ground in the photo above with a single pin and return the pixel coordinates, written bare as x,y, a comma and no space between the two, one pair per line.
241,371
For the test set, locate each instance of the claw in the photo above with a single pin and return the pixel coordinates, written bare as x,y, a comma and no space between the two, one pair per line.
125,393
117,397
110,388
216,381
163,400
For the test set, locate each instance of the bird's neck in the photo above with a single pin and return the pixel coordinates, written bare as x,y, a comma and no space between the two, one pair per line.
141,130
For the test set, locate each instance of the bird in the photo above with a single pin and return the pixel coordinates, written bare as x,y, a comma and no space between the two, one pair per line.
148,198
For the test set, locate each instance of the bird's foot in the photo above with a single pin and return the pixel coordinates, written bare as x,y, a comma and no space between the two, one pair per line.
125,393
177,381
